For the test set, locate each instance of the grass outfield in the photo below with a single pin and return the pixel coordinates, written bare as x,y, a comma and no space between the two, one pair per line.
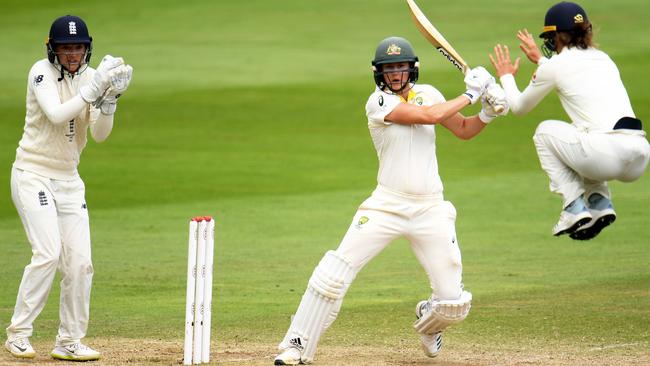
252,112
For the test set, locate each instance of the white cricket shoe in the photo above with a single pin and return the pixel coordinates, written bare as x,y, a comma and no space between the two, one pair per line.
75,352
570,222
290,356
572,217
431,343
20,348
603,215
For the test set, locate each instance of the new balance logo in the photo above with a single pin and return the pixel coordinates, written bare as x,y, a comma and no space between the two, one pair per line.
296,342
42,198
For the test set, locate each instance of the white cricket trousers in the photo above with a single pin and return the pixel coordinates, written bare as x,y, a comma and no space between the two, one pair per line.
579,162
55,218
428,223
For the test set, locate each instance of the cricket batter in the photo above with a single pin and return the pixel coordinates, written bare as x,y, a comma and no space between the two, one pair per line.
605,140
65,97
408,201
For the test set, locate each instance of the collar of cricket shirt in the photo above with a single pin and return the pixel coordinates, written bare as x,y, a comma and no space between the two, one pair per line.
410,96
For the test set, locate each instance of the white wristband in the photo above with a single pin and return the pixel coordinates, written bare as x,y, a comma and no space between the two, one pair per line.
472,95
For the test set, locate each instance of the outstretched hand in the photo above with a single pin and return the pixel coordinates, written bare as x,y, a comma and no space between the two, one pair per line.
501,61
529,46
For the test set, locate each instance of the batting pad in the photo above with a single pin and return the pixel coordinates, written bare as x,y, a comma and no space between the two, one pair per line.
438,315
325,287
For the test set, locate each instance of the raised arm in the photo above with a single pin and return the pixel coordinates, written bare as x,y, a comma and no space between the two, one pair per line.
541,84
476,82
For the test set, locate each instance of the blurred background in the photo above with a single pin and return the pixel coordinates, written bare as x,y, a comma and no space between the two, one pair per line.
253,112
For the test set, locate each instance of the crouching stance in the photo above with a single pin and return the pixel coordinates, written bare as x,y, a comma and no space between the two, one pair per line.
408,202
65,99
605,140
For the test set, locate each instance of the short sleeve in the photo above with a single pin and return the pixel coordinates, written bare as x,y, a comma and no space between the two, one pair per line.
433,94
379,105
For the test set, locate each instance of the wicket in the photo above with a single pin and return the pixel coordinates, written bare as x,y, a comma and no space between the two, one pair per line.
198,308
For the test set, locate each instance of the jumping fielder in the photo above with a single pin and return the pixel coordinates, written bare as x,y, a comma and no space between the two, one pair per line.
605,140
65,97
407,202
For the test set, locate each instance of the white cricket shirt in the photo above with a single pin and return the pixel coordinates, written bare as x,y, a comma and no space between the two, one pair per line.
588,83
52,149
407,153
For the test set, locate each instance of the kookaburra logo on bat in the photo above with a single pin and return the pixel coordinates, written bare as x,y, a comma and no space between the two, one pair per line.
448,56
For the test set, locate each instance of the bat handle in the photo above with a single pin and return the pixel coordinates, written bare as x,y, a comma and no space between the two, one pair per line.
498,109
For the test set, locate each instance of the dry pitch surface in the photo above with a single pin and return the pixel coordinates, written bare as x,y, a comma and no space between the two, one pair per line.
155,352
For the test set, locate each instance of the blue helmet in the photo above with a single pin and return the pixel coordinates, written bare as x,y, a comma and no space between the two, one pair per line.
563,17
66,30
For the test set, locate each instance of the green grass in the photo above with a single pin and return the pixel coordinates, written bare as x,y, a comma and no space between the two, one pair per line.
253,112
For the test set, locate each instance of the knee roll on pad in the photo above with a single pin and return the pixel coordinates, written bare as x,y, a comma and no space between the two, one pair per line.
326,286
328,277
438,315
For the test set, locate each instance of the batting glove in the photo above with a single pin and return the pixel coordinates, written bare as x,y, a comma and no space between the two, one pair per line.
493,99
476,81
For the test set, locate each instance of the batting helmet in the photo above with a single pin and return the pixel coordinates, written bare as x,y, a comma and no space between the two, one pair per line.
66,30
391,50
563,17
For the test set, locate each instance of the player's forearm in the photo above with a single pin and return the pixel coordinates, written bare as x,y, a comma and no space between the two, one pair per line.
513,95
59,113
438,113
102,127
463,127
522,103
409,114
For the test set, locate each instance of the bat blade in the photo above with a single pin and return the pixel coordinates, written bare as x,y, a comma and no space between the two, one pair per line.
438,40
435,37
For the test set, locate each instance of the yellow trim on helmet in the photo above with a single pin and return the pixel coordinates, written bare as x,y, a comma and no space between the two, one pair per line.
549,28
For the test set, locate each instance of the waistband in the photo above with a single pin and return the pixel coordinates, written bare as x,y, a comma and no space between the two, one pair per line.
387,192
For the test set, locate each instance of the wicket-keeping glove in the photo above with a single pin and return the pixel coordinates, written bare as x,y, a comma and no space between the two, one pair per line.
97,86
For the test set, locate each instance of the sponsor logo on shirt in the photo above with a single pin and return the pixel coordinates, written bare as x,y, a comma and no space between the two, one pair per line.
71,130
362,221
42,198
38,79
381,100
